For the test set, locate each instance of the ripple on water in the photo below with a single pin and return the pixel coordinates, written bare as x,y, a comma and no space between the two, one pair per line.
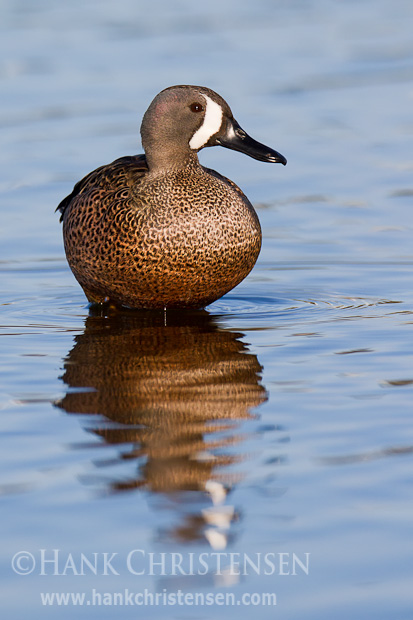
289,304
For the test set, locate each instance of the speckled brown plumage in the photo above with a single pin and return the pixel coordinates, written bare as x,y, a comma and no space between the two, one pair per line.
166,235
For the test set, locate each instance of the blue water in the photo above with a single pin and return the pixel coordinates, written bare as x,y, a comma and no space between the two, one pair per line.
276,426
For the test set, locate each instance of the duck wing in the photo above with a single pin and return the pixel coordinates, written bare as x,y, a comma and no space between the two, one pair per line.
123,172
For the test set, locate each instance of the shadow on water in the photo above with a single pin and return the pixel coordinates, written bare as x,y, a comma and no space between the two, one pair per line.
173,389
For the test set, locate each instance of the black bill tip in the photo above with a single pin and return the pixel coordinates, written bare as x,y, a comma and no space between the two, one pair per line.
237,139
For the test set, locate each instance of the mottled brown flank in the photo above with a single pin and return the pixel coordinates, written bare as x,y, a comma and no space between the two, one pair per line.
179,239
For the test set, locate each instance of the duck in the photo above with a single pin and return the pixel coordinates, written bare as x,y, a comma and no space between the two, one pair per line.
159,230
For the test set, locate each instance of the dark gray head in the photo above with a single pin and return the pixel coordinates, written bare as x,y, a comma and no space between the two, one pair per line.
181,120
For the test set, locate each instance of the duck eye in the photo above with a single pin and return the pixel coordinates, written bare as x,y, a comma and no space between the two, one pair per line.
196,107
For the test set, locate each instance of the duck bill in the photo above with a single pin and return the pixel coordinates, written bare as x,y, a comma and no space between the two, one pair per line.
237,139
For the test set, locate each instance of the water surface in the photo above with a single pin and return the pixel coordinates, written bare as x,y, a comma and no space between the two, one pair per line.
278,420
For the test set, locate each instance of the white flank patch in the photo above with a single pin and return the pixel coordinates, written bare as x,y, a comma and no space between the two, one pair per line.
210,126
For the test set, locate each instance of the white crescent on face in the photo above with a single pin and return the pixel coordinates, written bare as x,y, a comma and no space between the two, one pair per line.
210,126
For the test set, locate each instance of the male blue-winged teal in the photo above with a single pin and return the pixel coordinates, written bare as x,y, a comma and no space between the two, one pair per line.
159,230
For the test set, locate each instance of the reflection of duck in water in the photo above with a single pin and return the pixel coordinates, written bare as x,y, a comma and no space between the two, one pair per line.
177,390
